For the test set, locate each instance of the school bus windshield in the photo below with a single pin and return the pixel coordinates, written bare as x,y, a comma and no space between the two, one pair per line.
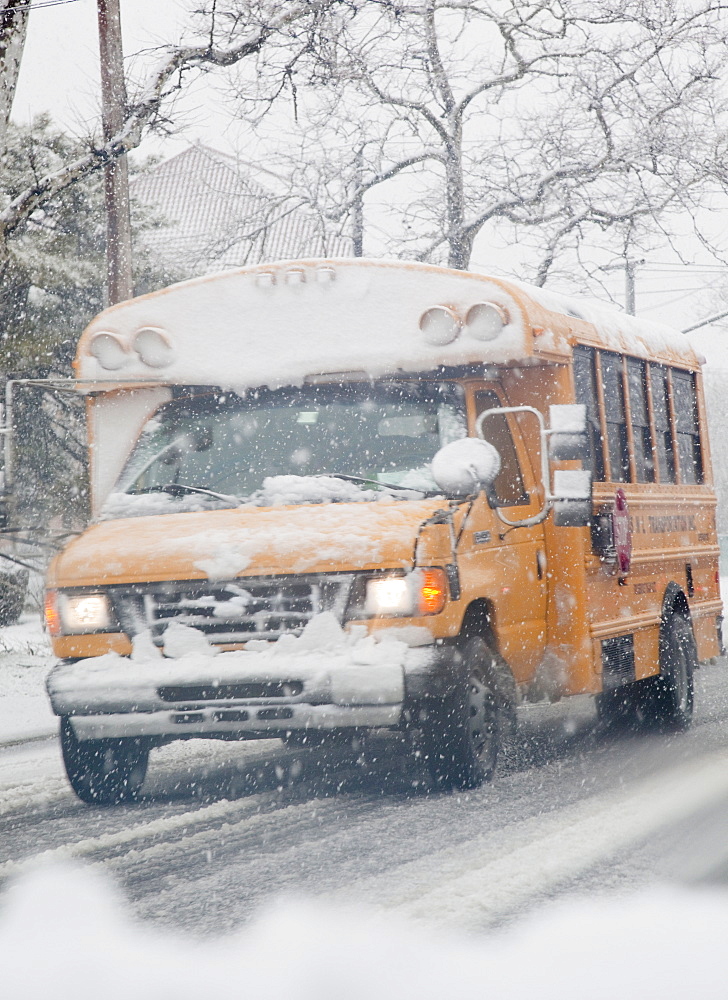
386,433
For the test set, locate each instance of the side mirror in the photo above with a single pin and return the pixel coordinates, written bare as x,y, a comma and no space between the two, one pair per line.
572,498
568,439
465,466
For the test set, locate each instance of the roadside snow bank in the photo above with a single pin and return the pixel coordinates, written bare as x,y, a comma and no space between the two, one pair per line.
25,660
64,933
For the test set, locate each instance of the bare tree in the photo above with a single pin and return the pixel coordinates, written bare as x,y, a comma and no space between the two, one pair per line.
560,120
226,39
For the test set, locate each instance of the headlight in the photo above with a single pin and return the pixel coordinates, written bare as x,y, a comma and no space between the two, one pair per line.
84,612
390,595
422,592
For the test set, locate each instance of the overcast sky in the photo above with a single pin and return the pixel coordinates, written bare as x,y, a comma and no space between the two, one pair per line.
60,68
60,75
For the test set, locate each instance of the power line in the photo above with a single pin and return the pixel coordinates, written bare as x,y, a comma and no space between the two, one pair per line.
665,266
45,3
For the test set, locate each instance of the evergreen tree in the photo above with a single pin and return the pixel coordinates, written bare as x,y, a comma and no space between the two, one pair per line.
53,286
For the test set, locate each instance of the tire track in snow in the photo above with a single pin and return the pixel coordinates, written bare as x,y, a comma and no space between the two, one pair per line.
478,883
168,831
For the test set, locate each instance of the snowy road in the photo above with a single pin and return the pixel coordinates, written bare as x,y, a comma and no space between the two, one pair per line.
223,828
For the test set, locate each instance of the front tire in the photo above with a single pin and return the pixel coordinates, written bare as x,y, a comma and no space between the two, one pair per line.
103,772
461,730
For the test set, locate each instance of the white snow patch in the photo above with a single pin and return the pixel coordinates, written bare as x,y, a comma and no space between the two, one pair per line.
278,491
366,320
25,660
296,950
619,330
118,505
293,539
143,648
226,563
182,640
354,667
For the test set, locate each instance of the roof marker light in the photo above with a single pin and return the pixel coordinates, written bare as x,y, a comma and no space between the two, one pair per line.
265,279
486,320
325,275
295,276
153,347
440,325
109,350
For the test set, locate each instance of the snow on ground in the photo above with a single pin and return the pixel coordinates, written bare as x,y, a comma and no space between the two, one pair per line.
64,933
25,660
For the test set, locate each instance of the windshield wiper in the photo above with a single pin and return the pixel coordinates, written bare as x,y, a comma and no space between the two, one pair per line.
375,482
181,489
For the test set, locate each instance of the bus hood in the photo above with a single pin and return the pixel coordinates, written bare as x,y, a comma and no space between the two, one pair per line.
223,544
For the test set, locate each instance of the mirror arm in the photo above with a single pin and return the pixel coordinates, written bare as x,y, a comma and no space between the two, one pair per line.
551,498
526,522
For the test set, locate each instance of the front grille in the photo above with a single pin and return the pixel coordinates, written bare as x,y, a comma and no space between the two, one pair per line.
254,608
230,692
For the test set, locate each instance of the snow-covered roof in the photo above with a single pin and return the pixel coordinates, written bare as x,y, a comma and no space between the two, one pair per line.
216,214
277,324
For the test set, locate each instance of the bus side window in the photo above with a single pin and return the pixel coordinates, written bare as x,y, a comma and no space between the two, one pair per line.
585,384
686,422
644,461
615,416
663,429
508,486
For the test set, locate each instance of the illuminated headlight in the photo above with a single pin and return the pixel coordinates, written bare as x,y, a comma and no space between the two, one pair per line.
423,592
390,595
84,612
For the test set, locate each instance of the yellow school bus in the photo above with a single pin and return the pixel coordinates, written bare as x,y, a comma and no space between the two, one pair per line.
337,496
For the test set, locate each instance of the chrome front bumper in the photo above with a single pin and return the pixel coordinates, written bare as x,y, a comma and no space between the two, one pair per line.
248,721
114,697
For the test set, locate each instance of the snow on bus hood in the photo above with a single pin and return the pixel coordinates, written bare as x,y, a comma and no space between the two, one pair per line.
222,544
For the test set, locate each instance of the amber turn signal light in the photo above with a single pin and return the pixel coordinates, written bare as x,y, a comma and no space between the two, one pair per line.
432,591
52,615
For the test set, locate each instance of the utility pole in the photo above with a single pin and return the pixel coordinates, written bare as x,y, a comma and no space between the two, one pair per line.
630,266
357,211
630,269
116,176
13,29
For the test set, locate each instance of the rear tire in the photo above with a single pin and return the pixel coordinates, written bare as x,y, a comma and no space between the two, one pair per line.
668,698
103,772
461,730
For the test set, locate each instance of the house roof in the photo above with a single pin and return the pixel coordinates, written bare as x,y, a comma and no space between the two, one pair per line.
215,214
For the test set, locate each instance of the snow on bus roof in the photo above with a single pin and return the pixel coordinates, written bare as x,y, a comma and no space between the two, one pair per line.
616,329
277,324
